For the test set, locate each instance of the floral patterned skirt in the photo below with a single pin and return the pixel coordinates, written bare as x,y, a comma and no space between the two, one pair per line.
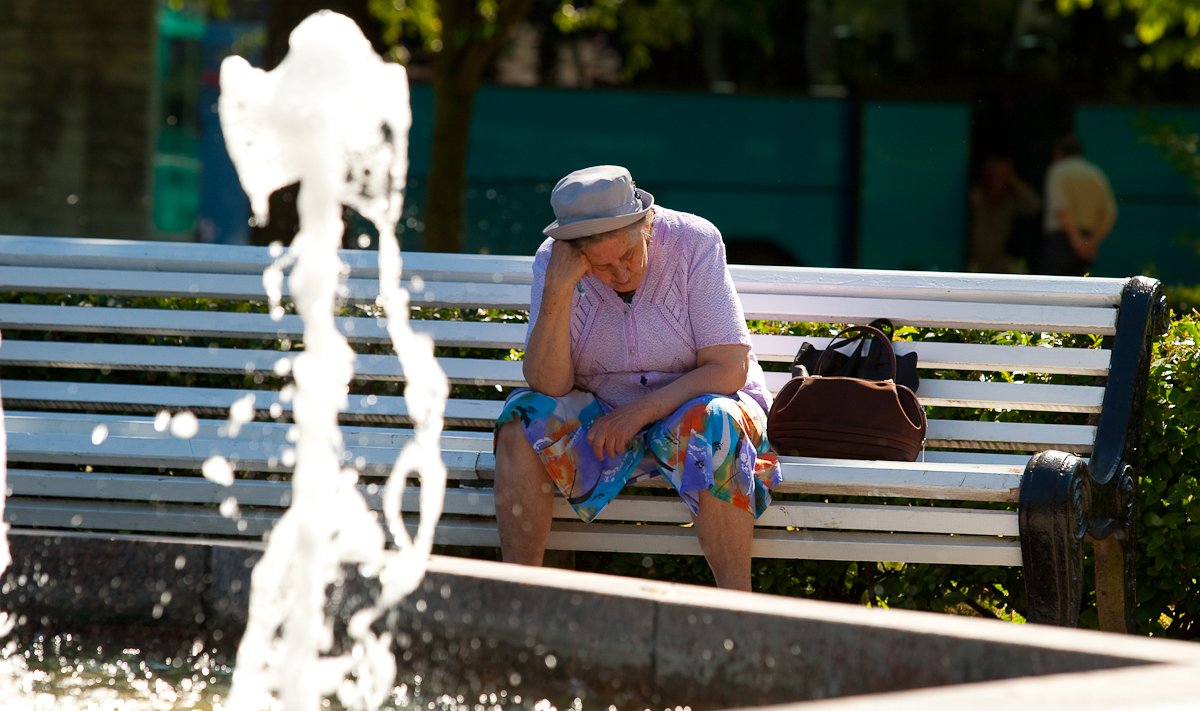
711,442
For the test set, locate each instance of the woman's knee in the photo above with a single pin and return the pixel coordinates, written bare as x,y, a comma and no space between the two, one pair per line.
722,406
510,439
717,410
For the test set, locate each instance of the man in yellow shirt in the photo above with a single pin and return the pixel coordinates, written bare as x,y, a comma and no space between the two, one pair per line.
1080,211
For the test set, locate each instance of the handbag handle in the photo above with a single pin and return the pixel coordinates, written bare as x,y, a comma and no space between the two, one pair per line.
869,331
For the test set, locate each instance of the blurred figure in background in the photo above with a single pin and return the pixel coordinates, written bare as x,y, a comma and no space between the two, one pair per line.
997,200
1080,211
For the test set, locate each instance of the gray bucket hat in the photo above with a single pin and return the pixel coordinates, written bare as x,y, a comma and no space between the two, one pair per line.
595,200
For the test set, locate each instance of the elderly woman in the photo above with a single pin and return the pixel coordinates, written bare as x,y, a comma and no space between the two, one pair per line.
638,361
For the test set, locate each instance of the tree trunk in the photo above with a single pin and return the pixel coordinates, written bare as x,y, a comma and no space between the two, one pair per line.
470,44
445,197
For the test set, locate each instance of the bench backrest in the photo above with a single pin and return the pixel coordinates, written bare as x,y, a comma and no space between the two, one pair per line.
1001,376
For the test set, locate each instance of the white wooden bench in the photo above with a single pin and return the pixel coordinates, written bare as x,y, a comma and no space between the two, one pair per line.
97,343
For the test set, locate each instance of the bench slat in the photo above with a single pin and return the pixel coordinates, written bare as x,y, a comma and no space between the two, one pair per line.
167,452
219,324
480,502
139,518
798,545
1009,396
195,359
133,427
931,286
517,269
150,256
246,287
1001,315
933,314
971,479
1012,396
124,399
1031,396
804,515
768,543
774,348
959,356
946,475
261,451
918,480
1029,437
954,356
385,408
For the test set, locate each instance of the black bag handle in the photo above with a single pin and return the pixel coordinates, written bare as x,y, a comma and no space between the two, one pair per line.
865,333
885,325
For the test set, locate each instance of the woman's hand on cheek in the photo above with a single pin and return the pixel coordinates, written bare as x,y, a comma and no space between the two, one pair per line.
567,265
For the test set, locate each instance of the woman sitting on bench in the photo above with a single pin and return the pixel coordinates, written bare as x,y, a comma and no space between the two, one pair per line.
639,363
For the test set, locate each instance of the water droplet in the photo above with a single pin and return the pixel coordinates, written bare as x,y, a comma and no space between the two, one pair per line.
184,425
229,508
99,434
217,469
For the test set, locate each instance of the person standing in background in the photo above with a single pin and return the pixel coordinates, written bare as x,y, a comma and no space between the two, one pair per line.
1080,211
997,200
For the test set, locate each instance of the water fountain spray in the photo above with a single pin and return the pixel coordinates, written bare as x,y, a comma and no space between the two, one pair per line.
7,671
335,117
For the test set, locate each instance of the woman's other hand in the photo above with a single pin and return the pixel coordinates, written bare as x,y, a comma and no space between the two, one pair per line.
613,433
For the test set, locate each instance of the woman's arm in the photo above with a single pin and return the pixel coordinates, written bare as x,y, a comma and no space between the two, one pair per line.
547,365
719,369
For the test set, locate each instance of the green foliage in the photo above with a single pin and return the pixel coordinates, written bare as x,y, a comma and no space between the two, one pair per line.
1168,531
1184,299
1179,146
644,26
405,20
1170,29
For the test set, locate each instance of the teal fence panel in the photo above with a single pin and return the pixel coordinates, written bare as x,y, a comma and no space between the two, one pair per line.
912,202
1158,223
773,173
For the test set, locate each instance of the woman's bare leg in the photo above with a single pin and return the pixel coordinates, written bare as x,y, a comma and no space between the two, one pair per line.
524,497
725,533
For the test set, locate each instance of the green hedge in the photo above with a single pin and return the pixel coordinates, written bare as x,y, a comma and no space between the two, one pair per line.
1168,531
1167,539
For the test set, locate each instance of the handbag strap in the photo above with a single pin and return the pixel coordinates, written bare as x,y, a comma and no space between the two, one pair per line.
863,333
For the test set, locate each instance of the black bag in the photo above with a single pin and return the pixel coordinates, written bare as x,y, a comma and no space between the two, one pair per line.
867,362
821,415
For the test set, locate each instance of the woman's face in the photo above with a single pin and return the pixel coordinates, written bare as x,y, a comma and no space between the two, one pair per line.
619,260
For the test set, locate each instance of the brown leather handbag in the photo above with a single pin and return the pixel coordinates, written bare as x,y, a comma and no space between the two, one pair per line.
818,415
